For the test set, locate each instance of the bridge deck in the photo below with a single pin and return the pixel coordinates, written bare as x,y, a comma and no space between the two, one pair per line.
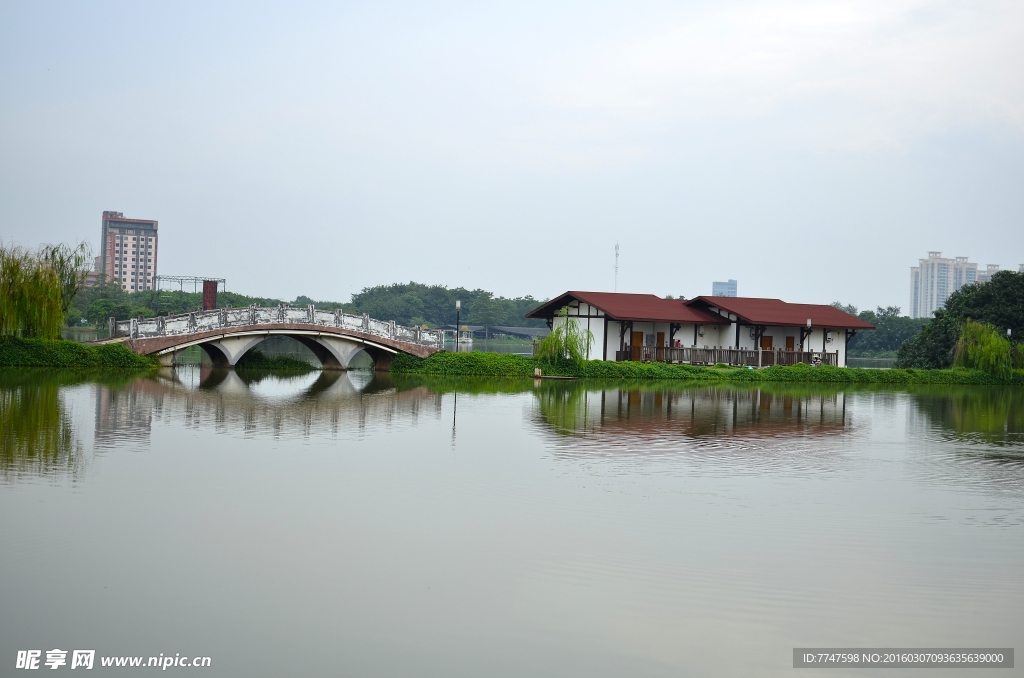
165,344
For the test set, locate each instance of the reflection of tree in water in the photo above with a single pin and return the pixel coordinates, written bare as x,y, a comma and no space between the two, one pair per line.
565,408
36,434
992,414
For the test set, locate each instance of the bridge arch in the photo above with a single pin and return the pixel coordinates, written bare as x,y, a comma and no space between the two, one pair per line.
226,334
334,351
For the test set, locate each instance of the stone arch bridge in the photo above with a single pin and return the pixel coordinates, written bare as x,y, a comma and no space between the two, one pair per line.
227,334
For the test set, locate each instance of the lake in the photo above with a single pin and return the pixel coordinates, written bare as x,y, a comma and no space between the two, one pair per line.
358,524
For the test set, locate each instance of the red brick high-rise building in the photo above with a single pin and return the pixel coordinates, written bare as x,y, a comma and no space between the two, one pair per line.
128,251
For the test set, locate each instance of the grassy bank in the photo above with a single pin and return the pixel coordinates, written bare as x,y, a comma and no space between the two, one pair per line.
480,364
69,354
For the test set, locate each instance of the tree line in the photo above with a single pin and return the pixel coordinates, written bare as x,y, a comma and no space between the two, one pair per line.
406,303
970,330
891,330
415,304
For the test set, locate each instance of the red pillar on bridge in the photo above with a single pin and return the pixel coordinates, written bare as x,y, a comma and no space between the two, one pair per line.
209,295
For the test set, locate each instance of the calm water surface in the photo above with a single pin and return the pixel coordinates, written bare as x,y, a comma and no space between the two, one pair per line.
347,524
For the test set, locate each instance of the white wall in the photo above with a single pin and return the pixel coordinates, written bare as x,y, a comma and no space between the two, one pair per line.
595,325
812,343
714,335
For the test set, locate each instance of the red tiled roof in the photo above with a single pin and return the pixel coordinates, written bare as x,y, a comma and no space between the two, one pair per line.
639,307
756,311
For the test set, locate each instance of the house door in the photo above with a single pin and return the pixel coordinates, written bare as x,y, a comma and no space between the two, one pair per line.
661,339
790,343
766,343
638,339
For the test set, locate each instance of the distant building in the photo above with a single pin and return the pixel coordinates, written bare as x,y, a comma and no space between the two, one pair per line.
128,251
934,279
990,270
723,289
92,277
1020,268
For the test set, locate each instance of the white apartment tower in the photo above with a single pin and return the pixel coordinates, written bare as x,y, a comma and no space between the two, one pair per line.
990,270
724,289
934,279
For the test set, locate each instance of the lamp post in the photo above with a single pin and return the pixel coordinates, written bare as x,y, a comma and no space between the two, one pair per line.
458,309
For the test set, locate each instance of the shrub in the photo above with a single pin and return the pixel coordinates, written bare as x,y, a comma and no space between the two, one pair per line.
16,352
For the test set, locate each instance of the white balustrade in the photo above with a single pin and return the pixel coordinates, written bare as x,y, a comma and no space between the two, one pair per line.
226,318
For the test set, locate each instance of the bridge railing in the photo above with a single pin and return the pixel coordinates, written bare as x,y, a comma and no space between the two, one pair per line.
225,318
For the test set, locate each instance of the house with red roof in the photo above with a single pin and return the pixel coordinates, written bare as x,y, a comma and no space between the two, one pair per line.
706,330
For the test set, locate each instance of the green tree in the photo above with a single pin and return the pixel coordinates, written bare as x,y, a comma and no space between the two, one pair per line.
70,265
395,302
488,311
31,294
891,330
999,303
846,308
983,347
567,341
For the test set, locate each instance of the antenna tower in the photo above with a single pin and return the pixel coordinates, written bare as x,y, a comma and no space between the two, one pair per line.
616,267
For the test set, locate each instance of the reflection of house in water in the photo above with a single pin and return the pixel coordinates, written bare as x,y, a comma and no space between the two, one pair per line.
693,412
123,414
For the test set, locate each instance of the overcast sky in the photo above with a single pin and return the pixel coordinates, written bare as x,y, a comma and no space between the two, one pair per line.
811,150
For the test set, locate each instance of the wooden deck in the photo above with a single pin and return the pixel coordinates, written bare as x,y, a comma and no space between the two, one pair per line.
728,356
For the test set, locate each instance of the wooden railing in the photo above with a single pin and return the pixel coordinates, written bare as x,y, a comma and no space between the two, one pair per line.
728,356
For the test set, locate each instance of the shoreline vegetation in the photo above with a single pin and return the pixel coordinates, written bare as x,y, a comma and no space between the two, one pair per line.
63,354
477,364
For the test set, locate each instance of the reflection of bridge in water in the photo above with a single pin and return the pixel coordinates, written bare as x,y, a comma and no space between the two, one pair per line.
227,334
326,402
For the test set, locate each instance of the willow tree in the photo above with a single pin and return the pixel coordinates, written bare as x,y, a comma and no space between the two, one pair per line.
36,288
567,341
982,347
70,265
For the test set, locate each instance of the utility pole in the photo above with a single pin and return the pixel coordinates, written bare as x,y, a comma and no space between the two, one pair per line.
458,310
616,267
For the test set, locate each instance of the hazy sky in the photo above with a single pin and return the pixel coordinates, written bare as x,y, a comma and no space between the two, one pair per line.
812,150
